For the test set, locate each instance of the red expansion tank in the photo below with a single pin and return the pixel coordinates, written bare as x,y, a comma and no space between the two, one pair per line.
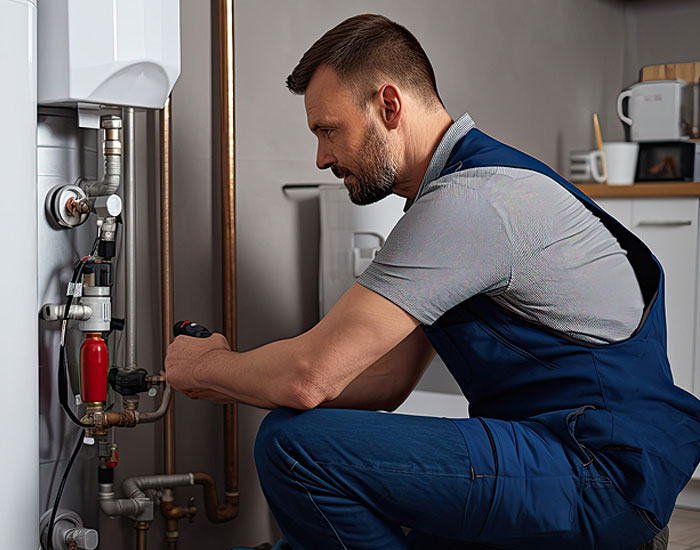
94,364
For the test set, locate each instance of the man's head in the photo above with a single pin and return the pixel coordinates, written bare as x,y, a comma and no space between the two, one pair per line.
363,51
357,79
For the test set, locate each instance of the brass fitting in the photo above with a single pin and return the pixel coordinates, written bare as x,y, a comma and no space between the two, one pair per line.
173,512
111,126
93,419
98,421
124,419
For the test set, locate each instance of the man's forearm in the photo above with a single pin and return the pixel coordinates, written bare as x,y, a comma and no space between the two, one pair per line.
387,383
301,372
267,377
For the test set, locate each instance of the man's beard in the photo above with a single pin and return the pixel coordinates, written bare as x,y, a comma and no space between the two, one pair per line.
376,172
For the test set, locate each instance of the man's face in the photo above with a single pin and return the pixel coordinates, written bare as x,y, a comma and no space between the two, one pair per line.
350,142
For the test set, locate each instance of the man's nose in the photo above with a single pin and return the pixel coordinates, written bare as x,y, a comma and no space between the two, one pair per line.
324,158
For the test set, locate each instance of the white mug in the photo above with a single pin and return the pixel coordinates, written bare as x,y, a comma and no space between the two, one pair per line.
587,166
621,158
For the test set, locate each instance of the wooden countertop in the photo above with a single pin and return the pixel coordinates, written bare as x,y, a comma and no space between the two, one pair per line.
637,190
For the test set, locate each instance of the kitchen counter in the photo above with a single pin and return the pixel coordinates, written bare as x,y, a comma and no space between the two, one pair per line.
661,189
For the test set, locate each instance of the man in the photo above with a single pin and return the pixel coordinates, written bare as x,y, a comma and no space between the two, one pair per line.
549,314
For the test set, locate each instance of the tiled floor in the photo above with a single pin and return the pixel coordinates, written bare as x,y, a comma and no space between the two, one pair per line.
684,530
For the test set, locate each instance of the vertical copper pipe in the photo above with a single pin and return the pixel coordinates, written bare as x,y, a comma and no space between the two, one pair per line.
141,531
229,509
228,189
166,266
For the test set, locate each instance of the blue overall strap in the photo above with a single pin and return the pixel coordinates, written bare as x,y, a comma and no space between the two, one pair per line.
616,401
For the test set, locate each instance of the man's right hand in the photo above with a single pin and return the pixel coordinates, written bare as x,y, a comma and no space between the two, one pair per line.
189,363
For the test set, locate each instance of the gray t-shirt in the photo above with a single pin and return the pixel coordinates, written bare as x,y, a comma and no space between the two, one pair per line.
516,236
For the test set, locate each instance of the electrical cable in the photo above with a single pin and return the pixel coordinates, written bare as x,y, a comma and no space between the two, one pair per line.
59,493
62,362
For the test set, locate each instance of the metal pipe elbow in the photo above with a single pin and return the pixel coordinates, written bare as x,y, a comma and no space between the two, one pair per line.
134,486
110,184
147,417
113,506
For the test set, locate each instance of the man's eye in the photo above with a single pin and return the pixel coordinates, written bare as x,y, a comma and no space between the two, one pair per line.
328,132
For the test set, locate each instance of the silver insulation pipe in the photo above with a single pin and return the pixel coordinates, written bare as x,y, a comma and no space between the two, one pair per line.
112,150
130,234
148,417
138,503
54,312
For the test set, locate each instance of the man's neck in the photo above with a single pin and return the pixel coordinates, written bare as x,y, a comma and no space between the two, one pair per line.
422,140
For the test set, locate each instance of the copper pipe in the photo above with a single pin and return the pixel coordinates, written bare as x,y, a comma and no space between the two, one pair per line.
166,273
228,192
171,534
216,513
229,509
141,531
166,266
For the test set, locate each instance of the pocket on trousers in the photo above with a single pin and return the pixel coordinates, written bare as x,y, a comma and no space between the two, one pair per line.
528,507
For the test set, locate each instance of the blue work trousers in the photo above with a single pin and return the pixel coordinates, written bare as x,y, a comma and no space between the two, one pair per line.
360,480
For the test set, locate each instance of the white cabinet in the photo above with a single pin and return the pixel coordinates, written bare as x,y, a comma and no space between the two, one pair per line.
669,227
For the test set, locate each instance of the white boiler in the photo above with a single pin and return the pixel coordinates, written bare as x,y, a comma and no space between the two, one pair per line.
19,409
83,58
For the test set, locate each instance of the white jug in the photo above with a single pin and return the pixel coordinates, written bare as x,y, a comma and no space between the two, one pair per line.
656,110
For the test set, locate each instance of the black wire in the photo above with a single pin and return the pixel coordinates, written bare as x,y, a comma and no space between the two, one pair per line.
62,363
63,389
62,372
57,501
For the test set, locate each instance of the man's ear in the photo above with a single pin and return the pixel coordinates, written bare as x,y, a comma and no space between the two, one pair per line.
390,105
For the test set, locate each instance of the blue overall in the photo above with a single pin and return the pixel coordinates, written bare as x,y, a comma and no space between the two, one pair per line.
567,445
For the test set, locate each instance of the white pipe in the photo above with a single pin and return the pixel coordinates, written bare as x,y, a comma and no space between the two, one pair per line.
19,408
54,312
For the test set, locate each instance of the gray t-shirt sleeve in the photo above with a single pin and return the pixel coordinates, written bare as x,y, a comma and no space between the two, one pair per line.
450,245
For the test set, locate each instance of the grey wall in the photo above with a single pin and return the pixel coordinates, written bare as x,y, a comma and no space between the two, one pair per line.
660,32
530,72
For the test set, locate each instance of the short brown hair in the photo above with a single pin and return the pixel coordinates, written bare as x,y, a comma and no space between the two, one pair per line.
363,48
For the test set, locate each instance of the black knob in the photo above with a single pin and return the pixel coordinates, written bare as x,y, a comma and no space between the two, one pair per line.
190,328
128,381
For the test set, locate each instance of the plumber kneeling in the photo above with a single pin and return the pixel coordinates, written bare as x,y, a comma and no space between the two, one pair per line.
548,313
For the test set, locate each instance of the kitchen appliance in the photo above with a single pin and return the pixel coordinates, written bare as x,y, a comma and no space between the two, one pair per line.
668,161
658,110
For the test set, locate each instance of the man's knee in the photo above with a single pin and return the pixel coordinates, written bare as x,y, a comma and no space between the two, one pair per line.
288,435
267,443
